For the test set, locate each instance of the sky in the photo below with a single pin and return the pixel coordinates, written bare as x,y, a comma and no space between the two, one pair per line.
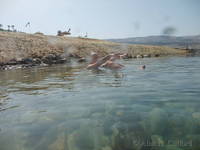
103,19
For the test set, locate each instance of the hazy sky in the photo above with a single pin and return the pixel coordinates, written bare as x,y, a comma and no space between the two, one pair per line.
103,18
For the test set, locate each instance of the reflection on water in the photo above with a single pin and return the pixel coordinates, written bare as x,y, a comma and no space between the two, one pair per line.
66,107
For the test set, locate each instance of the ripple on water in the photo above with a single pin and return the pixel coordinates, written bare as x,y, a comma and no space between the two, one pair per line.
62,107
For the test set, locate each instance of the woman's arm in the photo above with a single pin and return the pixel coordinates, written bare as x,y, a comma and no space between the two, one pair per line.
99,62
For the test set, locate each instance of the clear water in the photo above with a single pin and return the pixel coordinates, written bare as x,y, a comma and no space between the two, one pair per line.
71,108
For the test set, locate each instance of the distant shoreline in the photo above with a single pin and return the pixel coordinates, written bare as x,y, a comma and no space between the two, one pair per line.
30,50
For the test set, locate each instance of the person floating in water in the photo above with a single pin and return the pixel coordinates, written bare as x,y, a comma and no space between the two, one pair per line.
107,61
110,63
96,62
143,67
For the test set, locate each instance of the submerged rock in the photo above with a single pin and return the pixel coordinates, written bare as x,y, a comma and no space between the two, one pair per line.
12,62
53,59
62,60
50,59
27,61
157,140
8,67
59,143
156,122
37,60
107,148
193,141
196,117
172,147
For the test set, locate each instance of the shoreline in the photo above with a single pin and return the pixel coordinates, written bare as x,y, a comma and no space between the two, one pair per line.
28,50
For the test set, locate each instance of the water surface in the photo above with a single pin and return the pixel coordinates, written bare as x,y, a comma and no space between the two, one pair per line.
66,107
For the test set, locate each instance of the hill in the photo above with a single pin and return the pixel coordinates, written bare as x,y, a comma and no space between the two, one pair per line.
192,42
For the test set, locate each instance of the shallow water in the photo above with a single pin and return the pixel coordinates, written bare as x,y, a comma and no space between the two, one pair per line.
66,107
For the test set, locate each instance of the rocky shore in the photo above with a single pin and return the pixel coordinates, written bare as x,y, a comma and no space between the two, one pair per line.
21,50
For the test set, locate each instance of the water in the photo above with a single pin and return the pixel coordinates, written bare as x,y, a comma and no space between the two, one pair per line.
67,107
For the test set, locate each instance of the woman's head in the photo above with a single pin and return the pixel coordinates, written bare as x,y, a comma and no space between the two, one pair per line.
93,54
94,57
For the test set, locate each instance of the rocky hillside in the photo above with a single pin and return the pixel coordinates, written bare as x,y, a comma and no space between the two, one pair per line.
38,48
